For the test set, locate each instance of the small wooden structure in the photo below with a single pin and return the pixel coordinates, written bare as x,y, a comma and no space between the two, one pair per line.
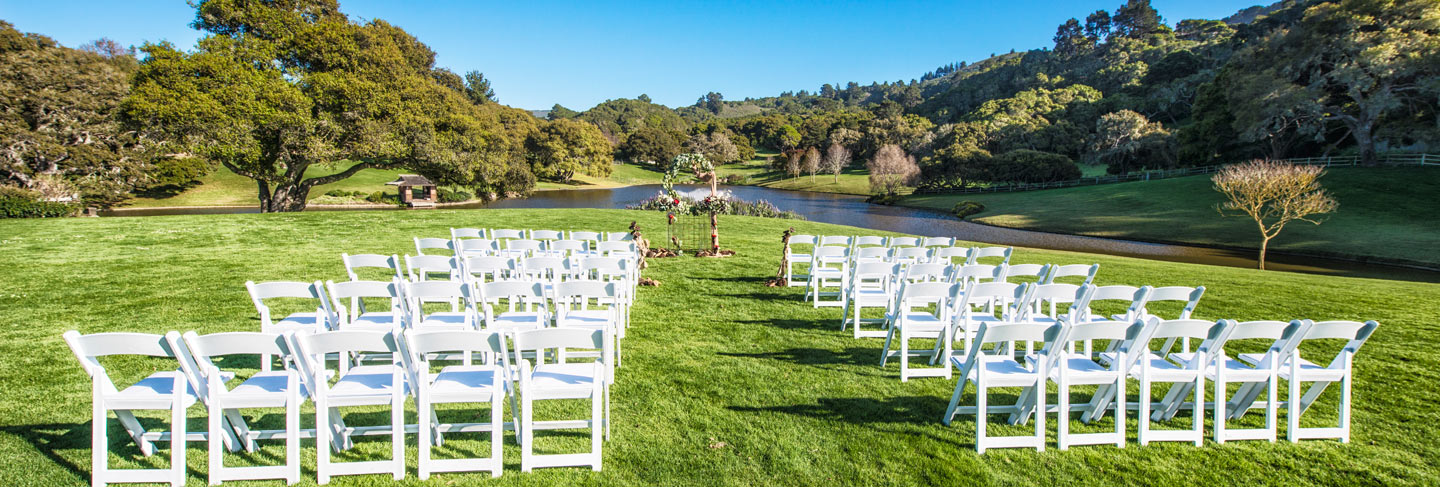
416,191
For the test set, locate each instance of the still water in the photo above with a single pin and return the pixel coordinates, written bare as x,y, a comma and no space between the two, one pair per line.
854,211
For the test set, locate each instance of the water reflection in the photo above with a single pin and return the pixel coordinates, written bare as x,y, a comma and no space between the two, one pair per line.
854,211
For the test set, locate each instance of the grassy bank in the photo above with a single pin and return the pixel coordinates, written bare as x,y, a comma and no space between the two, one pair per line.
725,381
1386,213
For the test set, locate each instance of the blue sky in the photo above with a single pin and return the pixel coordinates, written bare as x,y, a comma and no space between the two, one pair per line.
579,54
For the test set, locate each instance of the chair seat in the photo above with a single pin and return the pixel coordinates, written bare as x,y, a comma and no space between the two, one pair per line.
308,322
513,319
562,381
1235,370
1080,369
591,318
1160,369
1001,371
445,320
916,322
374,320
1308,370
262,390
363,385
464,383
153,392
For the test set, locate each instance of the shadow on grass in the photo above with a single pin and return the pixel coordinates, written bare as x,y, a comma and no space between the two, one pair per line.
51,439
791,324
818,356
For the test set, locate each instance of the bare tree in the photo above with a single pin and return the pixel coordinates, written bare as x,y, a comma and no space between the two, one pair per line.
794,163
891,169
812,162
1273,194
836,158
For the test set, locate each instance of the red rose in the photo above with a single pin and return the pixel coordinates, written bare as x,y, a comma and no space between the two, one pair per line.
677,201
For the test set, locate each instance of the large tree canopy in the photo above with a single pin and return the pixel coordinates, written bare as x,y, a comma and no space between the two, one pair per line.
278,87
59,134
564,147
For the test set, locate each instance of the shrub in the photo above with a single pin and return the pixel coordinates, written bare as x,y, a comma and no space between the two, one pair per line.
19,203
378,197
966,208
1031,166
338,193
723,205
447,196
735,179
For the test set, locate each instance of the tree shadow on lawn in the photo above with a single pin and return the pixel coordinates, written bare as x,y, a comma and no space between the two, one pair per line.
51,439
818,356
877,413
791,324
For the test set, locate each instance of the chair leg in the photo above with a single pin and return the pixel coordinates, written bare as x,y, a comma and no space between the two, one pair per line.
1142,434
1198,414
1040,414
904,356
292,436
981,411
1220,406
885,354
527,433
596,430
1292,409
177,443
497,433
954,401
99,443
1063,420
422,461
397,431
1120,411
1345,392
1272,402
322,441
217,463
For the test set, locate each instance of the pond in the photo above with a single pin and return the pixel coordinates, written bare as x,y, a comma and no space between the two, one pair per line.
854,211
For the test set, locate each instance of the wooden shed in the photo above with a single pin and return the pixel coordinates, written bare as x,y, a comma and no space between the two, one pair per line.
416,191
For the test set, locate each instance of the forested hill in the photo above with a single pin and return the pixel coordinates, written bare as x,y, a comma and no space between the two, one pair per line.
1125,88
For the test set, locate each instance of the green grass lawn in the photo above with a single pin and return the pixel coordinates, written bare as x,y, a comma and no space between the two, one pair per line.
725,381
1386,213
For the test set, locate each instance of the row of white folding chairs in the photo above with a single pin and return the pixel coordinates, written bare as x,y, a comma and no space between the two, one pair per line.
877,284
830,266
949,312
411,372
989,363
472,305
534,234
828,252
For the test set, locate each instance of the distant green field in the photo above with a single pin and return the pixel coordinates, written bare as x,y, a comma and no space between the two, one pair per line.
224,188
854,180
1387,213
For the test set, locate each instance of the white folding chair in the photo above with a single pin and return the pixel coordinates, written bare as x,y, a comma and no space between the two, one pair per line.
546,270
976,273
368,385
610,269
1072,270
837,240
908,256
913,321
271,390
571,249
586,236
897,242
1223,370
461,315
1073,369
871,254
460,384
990,252
1150,367
980,303
593,305
525,305
1297,371
506,234
356,316
547,235
561,380
422,244
432,267
829,267
623,249
793,258
522,248
466,233
301,322
997,368
933,242
1190,296
166,390
1034,273
476,247
952,255
353,264
869,241
871,285
619,237
489,268
926,273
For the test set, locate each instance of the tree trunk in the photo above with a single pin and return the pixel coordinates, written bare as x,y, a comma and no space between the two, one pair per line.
714,232
286,197
1366,143
1264,244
